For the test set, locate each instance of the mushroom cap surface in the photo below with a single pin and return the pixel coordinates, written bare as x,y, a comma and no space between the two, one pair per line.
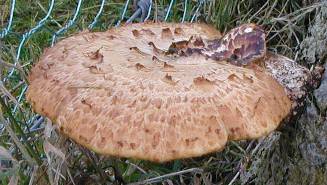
242,45
116,94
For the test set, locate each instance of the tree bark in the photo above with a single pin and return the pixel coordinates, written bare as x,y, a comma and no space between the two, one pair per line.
298,153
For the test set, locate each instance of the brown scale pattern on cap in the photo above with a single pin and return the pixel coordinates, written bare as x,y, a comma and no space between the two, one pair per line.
143,104
241,45
245,46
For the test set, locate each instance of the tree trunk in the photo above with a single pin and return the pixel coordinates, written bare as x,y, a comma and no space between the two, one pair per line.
298,154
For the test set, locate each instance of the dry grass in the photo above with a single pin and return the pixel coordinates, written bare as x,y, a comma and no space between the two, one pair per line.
31,151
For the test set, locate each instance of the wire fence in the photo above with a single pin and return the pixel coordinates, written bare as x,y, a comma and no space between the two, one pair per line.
144,8
14,112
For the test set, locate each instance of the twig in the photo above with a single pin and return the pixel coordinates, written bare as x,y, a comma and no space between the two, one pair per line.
234,178
161,178
136,166
18,67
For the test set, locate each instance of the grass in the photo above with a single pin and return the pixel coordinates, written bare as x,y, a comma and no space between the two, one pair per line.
41,156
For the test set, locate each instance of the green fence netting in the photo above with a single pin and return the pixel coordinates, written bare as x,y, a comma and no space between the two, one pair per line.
29,152
38,27
17,119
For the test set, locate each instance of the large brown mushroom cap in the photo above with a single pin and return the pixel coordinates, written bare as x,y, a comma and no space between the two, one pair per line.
116,94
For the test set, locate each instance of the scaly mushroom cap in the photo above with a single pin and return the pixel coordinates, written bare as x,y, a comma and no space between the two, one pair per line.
241,45
117,94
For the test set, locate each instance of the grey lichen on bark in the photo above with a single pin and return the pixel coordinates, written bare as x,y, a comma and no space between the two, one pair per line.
298,153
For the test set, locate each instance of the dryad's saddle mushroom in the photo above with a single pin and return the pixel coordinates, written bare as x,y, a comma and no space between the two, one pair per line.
164,91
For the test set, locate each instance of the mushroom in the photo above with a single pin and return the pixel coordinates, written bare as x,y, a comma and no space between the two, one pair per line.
129,92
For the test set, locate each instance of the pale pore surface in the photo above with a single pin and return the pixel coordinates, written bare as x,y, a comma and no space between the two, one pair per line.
127,100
